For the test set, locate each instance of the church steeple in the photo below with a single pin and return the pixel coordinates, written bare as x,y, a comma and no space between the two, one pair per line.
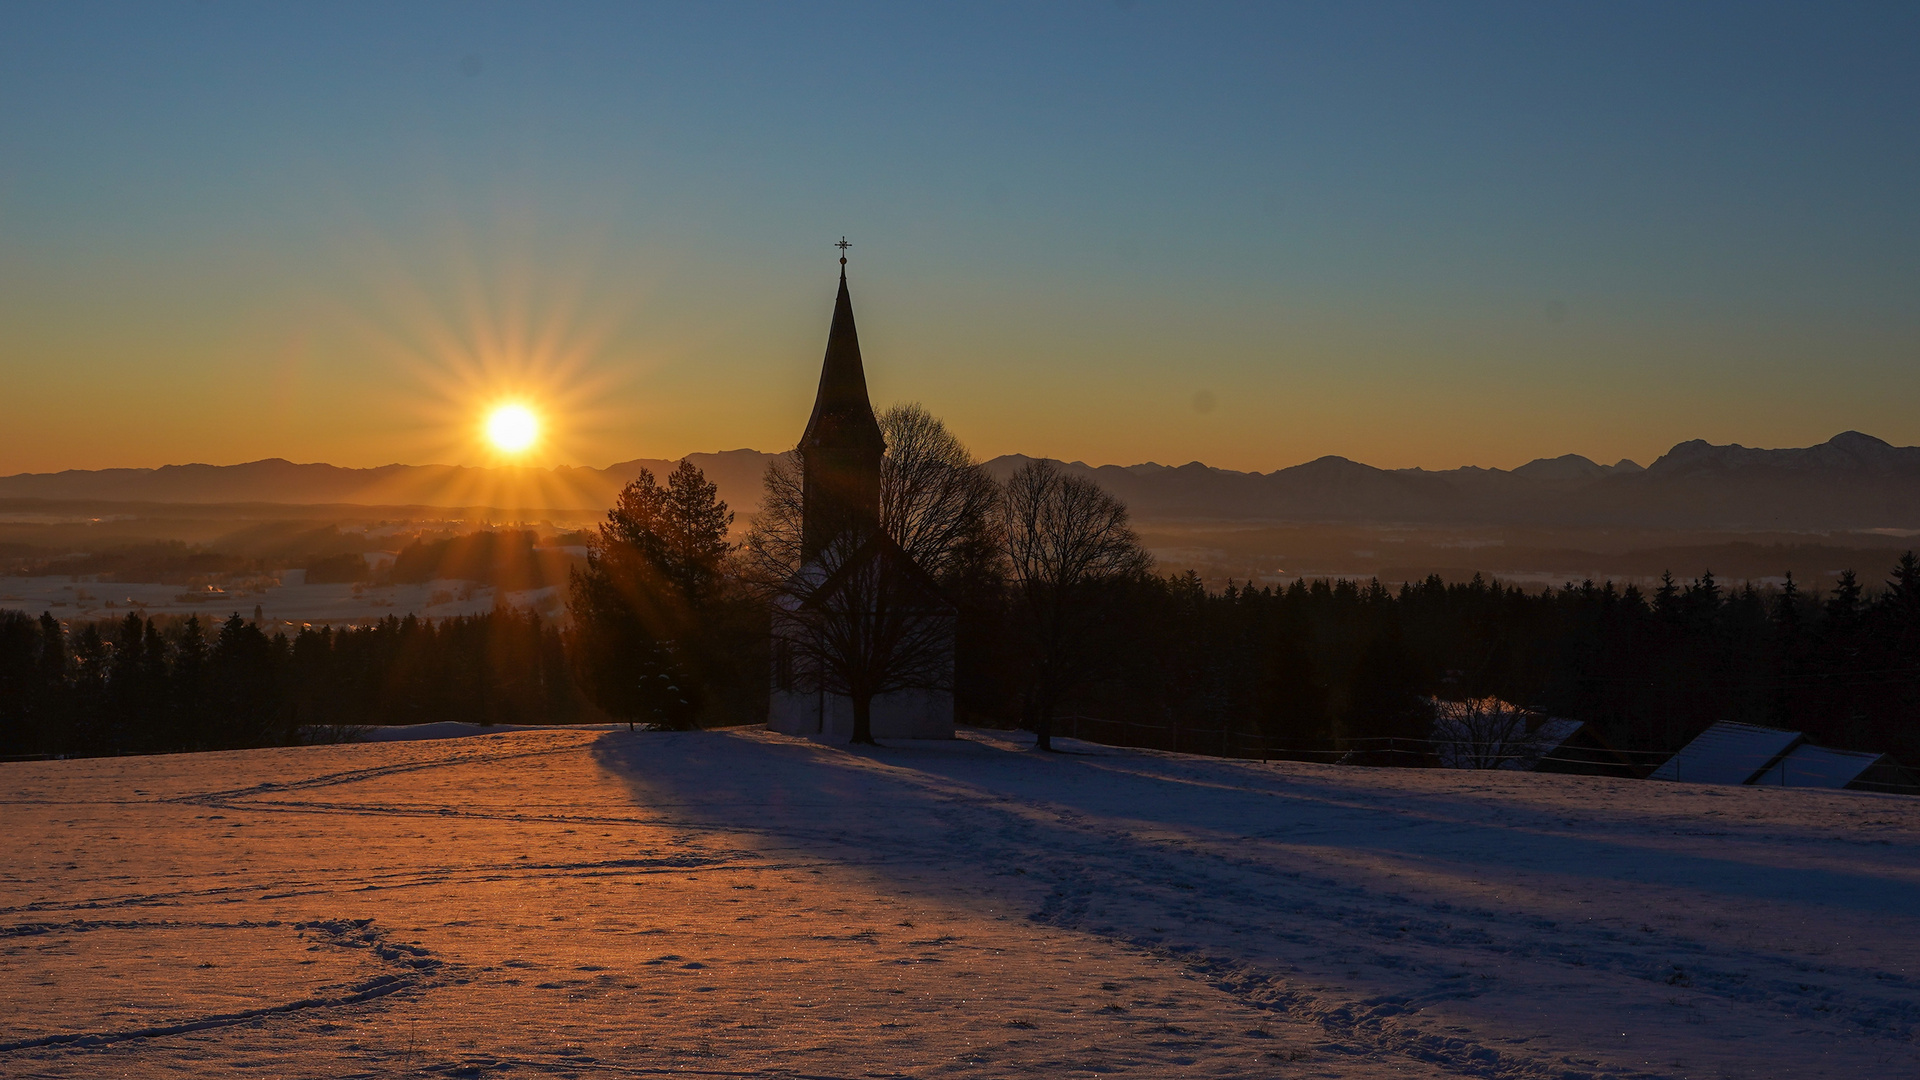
842,414
842,447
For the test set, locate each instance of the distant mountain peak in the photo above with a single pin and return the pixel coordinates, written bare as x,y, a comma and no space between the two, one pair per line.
1851,481
1849,451
1857,438
1564,467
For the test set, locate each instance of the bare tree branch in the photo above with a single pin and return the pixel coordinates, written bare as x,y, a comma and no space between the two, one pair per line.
863,621
936,502
1065,538
1481,733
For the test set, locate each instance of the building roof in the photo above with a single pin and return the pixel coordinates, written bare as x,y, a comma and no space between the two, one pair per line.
1728,753
920,592
842,413
1541,742
1817,766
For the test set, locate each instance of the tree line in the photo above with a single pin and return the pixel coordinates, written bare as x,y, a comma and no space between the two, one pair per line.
156,686
1061,618
1322,666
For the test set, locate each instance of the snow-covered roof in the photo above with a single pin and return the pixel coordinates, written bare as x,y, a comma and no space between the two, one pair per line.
1552,733
1817,766
1728,753
1556,730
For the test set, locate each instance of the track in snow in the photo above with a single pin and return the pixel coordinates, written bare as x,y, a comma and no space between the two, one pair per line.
743,904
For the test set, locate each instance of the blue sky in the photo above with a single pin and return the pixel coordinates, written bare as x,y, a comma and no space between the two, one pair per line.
1248,234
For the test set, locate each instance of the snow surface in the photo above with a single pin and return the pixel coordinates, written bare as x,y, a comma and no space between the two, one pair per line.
740,903
457,729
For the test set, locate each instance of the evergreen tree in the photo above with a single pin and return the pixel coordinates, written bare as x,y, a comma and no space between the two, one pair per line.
1385,702
1901,601
1666,599
1786,610
54,708
643,607
1293,697
248,707
130,690
92,732
188,709
1843,607
19,683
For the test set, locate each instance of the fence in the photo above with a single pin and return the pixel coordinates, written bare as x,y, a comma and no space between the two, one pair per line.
1231,742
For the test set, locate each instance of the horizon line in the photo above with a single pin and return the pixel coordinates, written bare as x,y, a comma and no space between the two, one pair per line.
1032,457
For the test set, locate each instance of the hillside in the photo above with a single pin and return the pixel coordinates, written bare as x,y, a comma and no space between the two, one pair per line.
736,903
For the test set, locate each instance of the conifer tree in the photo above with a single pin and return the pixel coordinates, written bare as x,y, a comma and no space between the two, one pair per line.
1843,607
1294,700
642,606
19,644
188,709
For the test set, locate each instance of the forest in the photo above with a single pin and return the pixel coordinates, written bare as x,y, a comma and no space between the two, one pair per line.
669,627
1315,666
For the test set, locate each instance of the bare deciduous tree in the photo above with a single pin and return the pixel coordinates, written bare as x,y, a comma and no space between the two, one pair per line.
863,621
1481,733
771,553
1065,539
936,502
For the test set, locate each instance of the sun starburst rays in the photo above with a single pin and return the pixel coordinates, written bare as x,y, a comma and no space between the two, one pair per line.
509,368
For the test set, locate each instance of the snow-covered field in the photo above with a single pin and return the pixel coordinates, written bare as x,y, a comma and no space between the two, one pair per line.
589,903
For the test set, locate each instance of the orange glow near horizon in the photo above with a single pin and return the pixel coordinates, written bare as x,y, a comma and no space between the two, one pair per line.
498,363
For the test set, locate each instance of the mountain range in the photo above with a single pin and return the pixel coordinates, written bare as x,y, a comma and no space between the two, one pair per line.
1850,482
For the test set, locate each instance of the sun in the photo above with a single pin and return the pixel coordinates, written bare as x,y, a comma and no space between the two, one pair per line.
512,428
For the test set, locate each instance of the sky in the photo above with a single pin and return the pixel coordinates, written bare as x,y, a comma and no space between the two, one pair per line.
1251,235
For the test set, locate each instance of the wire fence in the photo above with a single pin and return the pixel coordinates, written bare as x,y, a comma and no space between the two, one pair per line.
1403,752
1236,742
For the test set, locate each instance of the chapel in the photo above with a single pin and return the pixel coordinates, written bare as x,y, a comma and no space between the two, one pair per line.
843,546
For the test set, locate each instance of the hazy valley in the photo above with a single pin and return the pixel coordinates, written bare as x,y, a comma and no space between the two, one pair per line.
1743,514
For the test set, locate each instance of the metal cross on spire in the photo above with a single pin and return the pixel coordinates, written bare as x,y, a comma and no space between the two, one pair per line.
843,246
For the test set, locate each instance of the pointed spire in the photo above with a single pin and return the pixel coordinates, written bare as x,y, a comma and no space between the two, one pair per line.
842,413
842,449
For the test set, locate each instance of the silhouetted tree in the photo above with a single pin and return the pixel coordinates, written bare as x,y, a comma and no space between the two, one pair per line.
1293,699
19,683
190,704
248,706
941,507
1481,733
1385,700
936,502
641,605
1066,542
1172,663
862,621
